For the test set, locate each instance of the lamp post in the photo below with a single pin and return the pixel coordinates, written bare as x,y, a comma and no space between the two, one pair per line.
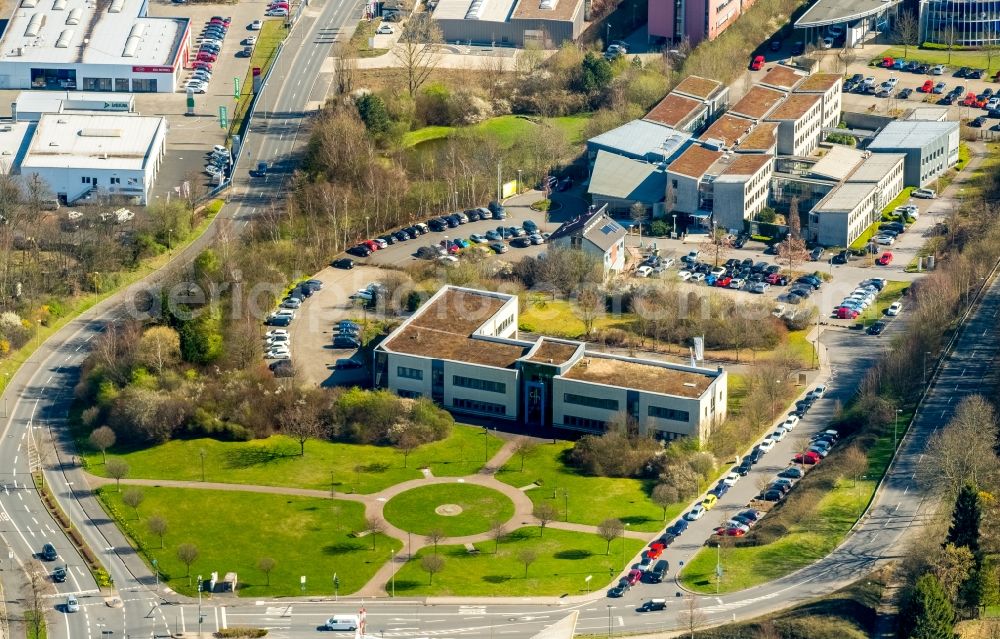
200,618
895,424
609,620
170,244
486,443
674,216
518,190
367,234
624,528
156,573
201,452
566,503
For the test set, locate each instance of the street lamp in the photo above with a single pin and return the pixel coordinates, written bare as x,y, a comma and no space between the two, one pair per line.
518,182
624,528
609,620
367,234
486,443
895,424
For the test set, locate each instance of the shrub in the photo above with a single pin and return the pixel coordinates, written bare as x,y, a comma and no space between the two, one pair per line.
659,228
614,454
241,632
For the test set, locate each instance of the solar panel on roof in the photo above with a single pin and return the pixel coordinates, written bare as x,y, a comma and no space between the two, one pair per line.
609,228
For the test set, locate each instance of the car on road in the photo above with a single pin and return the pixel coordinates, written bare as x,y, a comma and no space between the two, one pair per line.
895,309
59,574
905,93
790,422
766,445
342,622
634,576
709,501
256,25
926,194
278,12
652,605
48,552
72,604
731,478
757,63
818,392
772,494
876,328
384,29
347,364
345,263
937,69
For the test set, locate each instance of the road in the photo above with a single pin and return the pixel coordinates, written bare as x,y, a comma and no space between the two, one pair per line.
39,394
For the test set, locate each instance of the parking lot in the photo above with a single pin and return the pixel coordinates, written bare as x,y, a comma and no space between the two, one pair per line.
189,138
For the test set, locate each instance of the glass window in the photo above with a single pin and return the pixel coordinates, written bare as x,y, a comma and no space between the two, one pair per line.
53,79
97,84
121,84
143,85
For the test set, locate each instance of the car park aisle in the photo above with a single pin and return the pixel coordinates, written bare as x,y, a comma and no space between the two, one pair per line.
312,330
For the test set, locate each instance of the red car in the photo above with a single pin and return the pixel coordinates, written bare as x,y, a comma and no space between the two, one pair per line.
723,282
735,532
757,64
202,65
372,245
206,57
846,312
220,20
970,100
655,550
634,576
928,87
888,62
277,5
809,457
885,259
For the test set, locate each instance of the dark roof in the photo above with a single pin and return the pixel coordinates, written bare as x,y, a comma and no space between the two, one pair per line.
595,226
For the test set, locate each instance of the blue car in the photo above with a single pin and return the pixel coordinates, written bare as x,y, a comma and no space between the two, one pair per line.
493,236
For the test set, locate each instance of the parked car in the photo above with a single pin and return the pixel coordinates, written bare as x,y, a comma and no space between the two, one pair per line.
808,457
757,63
927,194
895,309
695,513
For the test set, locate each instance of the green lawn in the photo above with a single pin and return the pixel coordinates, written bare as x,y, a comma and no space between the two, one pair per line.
563,561
559,319
233,531
507,128
590,499
800,346
414,510
808,541
276,462
975,59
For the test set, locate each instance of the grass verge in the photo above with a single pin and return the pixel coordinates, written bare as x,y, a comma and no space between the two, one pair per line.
346,468
414,510
561,562
270,36
363,34
29,626
589,500
233,531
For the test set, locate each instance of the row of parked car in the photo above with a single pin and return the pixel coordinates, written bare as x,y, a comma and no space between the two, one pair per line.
208,52
494,211
858,300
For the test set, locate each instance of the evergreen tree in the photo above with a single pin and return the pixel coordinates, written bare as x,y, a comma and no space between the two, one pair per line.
373,113
595,73
965,519
928,613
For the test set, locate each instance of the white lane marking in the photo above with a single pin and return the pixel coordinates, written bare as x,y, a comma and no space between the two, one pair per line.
15,459
225,623
47,381
621,621
35,520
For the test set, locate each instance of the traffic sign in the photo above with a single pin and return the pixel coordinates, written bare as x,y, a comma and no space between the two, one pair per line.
223,117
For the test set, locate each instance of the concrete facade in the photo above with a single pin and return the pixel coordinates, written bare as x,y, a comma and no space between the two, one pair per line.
844,214
885,171
799,121
548,384
547,24
742,190
693,20
931,148
597,235
829,86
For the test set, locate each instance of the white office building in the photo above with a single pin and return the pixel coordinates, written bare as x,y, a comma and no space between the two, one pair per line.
82,45
461,349
82,155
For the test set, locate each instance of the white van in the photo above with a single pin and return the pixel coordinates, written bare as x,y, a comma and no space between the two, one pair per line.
342,622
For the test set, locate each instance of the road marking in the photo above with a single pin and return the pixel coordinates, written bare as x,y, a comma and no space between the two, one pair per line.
225,624
34,520
15,460
905,490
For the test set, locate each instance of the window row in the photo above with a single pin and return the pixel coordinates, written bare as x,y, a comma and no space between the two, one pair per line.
592,402
479,407
478,384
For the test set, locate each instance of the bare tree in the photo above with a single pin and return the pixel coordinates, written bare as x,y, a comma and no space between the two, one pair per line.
963,450
498,530
417,50
853,462
266,565
907,31
187,554
590,305
345,57
158,526
664,495
35,603
406,442
523,447
301,420
717,244
527,556
102,439
691,615
545,513
949,34
118,470
374,526
435,537
793,248
133,498
609,530
432,564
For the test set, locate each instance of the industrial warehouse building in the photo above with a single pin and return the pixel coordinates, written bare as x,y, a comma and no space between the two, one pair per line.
547,23
80,45
931,148
461,349
81,155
